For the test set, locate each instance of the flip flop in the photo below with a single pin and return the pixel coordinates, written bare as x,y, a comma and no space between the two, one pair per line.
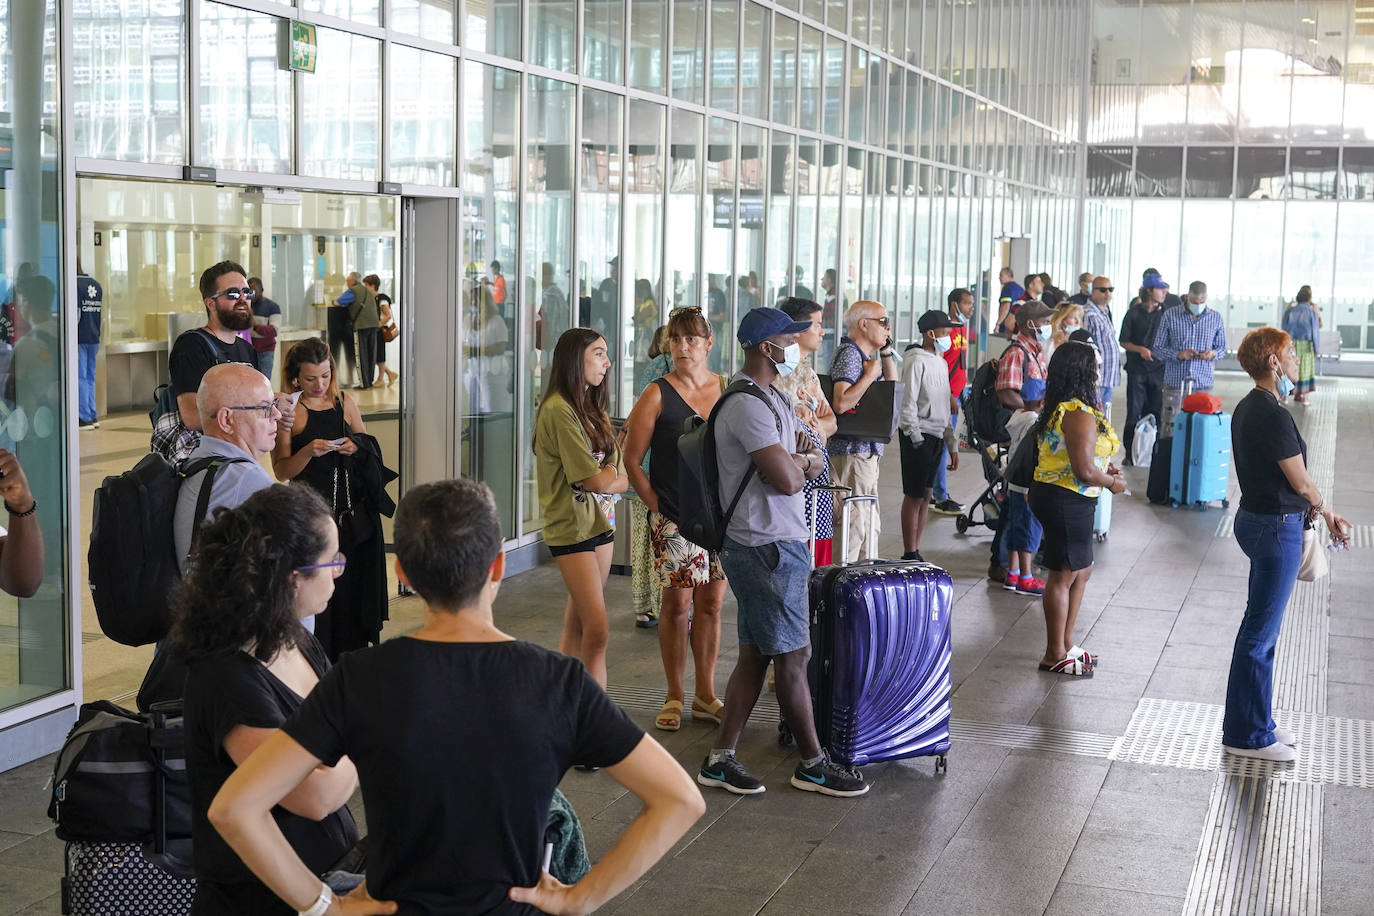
712,713
1070,666
669,718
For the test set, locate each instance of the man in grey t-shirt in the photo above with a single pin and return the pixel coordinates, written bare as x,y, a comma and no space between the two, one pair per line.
766,558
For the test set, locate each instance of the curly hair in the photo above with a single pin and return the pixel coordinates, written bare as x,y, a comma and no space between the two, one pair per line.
567,379
1256,348
1072,374
239,591
1062,316
315,351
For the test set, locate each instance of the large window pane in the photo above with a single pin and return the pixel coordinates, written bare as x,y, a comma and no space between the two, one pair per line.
364,11
1205,255
245,101
754,61
603,40
1317,85
1312,173
1166,31
1256,263
725,57
1155,230
35,660
341,110
689,50
1309,239
852,226
598,231
422,90
553,26
1349,310
492,26
804,248
810,72
1266,71
749,237
128,65
547,266
1260,172
642,294
781,193
1214,71
858,96
1210,171
431,18
784,69
1116,48
647,34
495,295
684,208
828,249
834,86
718,237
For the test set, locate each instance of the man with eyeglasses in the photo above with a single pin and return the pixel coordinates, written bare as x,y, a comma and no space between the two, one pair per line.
1097,321
863,357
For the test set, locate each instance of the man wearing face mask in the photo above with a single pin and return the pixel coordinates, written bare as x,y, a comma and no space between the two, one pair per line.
960,309
863,357
1097,321
1025,358
1189,341
925,431
766,560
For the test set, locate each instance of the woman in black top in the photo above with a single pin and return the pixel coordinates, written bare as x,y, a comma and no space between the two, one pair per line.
320,451
257,571
1277,498
691,578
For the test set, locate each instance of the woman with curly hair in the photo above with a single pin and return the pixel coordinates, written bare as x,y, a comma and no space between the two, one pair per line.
1066,319
577,466
1076,443
257,571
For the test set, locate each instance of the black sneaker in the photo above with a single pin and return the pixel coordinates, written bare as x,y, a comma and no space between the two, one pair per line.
946,506
829,778
729,774
913,556
88,424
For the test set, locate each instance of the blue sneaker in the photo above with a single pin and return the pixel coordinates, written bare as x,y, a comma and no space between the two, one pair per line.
729,774
829,778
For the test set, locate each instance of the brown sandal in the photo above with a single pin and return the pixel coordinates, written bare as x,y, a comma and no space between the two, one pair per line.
669,717
712,713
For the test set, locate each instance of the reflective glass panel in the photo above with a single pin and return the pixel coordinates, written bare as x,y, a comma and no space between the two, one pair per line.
492,26
1309,244
810,75
598,232
689,49
834,85
755,61
1348,308
718,237
432,19
128,81
1318,87
685,160
858,96
1266,71
246,104
1312,173
1159,171
1117,55
784,70
1214,71
645,162
1260,172
804,248
423,87
725,57
341,108
752,218
553,26
364,11
1256,263
781,184
1210,171
603,41
1205,254
647,34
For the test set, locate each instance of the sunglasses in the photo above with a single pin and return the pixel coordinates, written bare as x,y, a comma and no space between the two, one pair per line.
1104,289
884,321
234,295
336,566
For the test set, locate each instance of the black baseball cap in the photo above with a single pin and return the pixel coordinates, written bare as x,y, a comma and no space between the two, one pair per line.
935,319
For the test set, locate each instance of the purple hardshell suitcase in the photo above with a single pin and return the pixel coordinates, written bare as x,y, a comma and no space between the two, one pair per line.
880,638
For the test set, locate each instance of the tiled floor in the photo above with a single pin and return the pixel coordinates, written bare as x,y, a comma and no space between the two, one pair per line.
1038,812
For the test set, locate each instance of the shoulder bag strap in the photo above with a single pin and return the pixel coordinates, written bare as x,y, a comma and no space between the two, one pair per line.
750,388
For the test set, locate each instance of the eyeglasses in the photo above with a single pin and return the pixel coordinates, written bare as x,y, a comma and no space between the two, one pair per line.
884,321
265,409
234,295
1104,289
336,566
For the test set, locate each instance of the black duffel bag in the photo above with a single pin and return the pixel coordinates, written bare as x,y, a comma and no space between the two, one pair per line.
121,777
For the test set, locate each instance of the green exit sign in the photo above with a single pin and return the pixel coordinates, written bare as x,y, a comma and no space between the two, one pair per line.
299,50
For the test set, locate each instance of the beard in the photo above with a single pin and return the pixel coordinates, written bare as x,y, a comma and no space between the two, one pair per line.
231,319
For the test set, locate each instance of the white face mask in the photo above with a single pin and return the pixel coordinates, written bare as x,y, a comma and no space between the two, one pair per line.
942,344
791,359
1070,328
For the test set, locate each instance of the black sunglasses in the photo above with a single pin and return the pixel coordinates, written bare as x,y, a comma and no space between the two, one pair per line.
234,295
1105,289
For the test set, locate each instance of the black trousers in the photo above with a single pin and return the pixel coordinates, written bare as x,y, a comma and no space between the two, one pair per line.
1144,395
367,354
341,339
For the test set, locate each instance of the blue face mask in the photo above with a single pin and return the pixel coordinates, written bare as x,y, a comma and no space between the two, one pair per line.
942,344
791,359
1043,332
1286,386
1197,308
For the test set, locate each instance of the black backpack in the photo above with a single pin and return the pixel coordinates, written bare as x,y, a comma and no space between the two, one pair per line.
983,406
132,561
1021,468
702,519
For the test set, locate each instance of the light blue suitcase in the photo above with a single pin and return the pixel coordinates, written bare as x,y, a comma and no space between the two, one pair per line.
1200,468
1102,515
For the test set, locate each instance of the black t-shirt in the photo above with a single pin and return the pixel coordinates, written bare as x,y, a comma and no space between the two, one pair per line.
191,358
459,747
1138,327
224,691
1263,434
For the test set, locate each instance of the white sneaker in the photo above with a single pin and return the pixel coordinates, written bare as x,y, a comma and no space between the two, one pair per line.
1277,752
1284,736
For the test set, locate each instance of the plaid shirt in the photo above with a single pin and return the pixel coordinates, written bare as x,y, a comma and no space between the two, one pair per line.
1013,368
1097,323
1179,330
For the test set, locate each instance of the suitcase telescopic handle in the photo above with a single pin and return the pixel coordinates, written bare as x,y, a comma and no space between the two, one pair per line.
845,508
814,514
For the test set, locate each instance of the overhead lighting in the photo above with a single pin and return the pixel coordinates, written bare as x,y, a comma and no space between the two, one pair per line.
1307,20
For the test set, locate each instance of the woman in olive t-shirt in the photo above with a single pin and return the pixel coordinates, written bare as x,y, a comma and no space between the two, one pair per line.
577,463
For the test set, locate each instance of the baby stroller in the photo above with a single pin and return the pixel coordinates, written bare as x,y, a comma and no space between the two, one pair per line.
990,507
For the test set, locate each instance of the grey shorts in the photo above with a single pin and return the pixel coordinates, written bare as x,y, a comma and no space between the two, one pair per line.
770,586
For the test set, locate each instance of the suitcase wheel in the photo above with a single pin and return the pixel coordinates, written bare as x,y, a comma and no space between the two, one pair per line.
961,524
941,764
1099,536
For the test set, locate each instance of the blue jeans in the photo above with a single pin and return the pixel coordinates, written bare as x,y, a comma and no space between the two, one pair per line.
941,490
266,361
1274,545
770,586
85,408
1024,530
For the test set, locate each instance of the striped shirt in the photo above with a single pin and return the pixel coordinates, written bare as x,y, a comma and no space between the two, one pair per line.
1096,323
1179,330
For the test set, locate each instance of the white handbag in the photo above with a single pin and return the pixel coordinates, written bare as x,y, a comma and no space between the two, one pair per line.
1314,563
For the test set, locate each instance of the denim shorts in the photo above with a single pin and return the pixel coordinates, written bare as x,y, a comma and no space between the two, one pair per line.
770,586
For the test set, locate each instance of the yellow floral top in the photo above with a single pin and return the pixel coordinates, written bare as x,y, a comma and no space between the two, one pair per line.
1054,465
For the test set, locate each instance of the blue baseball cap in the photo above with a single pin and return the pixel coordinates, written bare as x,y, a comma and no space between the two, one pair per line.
1154,281
1033,389
761,323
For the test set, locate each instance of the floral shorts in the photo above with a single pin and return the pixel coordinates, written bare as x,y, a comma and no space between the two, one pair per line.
678,562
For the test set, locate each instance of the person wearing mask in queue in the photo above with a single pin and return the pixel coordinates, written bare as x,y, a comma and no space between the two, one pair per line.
1085,283
1066,319
689,577
1188,341
925,428
1278,497
1097,321
959,306
1075,443
1144,373
803,386
578,469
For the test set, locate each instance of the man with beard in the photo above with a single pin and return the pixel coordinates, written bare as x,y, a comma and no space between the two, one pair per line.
228,303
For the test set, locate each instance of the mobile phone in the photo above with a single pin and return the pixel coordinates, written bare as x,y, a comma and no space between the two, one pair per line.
337,442
292,398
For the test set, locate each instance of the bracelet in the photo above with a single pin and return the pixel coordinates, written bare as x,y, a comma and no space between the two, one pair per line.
322,903
25,514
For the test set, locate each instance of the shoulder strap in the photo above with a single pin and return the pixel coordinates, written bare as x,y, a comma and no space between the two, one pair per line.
210,466
742,386
210,341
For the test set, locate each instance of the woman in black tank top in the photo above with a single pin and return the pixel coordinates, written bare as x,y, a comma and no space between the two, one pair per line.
692,581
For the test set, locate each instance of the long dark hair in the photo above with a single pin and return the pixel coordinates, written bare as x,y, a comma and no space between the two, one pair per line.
239,591
1072,373
567,380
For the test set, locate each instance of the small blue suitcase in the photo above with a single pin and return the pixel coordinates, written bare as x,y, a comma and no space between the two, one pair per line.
880,634
1200,469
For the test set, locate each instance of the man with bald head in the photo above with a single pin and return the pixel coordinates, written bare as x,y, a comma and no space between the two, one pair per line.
238,419
1097,321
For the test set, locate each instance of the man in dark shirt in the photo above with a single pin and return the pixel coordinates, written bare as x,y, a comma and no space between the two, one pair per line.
266,320
1144,373
1012,292
1085,282
460,735
89,299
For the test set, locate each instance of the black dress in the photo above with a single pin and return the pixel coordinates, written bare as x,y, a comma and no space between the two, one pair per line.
356,611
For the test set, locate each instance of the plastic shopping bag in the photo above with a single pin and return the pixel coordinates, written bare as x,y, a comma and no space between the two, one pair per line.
1143,445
